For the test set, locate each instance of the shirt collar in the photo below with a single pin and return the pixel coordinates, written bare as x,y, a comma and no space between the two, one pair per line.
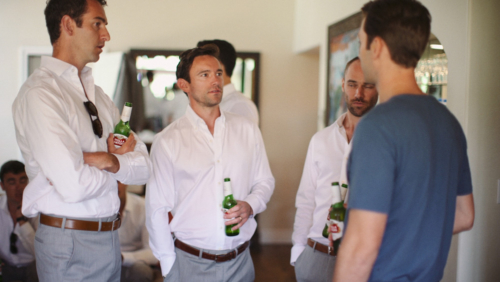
60,67
197,121
340,120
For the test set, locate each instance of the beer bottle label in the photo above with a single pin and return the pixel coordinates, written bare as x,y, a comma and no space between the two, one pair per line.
119,140
336,228
225,211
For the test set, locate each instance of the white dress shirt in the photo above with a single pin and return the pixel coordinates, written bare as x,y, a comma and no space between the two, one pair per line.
323,166
133,234
189,167
235,102
53,129
25,237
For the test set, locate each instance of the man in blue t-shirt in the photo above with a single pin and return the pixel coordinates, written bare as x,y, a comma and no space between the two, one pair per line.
410,183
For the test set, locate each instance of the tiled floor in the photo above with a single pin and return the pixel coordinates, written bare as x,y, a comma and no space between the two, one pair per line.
272,263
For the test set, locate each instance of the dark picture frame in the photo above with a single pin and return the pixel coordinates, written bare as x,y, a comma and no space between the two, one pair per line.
343,45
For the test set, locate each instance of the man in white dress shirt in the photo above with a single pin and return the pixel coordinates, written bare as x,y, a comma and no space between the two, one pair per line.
312,258
137,257
191,158
232,100
64,126
17,233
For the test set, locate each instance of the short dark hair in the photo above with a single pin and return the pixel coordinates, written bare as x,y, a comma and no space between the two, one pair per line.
187,57
227,54
14,167
57,9
404,25
350,63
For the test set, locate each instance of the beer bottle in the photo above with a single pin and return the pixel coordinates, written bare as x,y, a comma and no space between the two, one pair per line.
227,204
122,129
337,215
346,194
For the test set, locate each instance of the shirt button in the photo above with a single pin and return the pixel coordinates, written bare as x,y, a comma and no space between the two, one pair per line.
219,183
218,161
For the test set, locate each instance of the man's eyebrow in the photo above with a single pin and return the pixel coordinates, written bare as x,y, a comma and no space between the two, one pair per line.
352,81
102,19
203,71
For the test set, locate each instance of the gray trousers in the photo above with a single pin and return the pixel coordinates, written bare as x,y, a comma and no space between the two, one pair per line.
190,268
314,266
24,274
75,255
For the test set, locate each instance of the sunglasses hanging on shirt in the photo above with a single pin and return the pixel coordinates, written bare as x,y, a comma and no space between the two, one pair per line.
13,240
96,123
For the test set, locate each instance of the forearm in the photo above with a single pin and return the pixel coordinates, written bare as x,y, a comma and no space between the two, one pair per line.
464,214
102,160
360,245
353,263
145,255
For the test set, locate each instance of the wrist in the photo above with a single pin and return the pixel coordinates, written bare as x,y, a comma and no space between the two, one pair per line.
21,220
114,164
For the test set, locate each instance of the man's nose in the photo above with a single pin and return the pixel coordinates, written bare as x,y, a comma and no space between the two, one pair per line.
105,35
360,92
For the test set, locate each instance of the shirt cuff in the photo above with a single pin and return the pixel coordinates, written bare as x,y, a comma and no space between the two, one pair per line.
296,251
166,264
254,202
128,259
24,230
122,173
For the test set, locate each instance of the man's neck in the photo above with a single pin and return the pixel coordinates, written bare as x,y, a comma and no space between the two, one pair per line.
350,122
12,206
68,57
207,114
397,81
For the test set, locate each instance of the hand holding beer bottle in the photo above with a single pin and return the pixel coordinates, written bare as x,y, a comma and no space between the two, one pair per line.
227,204
122,141
122,129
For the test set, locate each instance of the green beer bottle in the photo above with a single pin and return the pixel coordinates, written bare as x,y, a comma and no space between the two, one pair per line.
122,129
227,204
337,215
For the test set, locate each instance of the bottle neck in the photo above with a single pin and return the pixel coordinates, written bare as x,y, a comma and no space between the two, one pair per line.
126,114
336,194
228,191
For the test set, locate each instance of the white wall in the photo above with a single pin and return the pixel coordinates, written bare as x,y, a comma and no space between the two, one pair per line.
288,101
469,32
479,250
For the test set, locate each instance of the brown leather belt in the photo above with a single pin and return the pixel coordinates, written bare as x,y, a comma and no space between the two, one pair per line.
80,224
320,247
218,258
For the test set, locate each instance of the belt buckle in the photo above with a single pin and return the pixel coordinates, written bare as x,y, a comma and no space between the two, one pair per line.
330,250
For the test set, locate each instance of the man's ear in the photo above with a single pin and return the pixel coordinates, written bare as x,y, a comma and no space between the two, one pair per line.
343,85
67,25
184,85
377,47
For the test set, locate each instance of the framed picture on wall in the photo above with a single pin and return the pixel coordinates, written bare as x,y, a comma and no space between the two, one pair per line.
343,45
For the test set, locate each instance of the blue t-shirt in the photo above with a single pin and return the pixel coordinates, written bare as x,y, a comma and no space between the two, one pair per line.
409,161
